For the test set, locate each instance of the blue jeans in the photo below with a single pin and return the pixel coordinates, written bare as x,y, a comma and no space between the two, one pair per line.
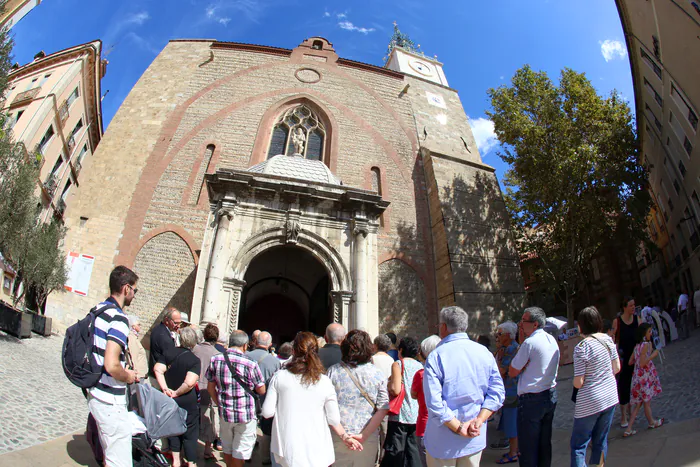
593,429
535,416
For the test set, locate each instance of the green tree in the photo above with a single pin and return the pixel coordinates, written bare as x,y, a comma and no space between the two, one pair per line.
32,247
575,181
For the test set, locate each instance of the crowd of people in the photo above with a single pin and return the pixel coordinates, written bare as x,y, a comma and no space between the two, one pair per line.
350,400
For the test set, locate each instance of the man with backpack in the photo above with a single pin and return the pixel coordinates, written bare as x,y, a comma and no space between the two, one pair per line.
107,400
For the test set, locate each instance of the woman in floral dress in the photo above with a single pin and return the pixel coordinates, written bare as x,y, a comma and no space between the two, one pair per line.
645,380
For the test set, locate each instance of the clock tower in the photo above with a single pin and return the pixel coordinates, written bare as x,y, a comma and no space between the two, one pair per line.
406,57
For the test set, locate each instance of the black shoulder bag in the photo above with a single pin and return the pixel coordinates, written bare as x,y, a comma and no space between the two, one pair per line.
253,394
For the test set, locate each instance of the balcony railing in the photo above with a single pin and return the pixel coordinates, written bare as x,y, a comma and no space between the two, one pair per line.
60,207
25,96
63,112
694,240
51,184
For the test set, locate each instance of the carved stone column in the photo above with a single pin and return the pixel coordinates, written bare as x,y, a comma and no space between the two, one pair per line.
341,306
234,287
217,267
360,231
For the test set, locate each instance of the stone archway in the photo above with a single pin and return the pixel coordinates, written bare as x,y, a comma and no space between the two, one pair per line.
339,285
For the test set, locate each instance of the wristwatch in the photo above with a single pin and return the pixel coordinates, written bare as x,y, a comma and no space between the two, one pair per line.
459,429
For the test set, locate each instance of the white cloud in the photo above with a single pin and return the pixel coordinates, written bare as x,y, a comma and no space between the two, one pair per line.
501,77
341,15
612,49
210,11
224,21
221,11
137,18
348,26
484,134
326,14
142,43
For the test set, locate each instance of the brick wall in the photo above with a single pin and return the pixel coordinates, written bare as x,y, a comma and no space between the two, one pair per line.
402,300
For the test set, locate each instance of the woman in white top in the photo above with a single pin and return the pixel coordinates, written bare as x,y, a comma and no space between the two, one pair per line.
596,363
303,401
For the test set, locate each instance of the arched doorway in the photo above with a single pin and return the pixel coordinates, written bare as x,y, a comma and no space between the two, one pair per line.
287,290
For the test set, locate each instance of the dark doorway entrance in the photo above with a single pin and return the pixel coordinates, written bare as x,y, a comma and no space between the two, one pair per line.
287,291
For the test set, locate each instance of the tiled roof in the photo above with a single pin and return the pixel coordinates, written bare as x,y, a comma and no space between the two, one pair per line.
296,167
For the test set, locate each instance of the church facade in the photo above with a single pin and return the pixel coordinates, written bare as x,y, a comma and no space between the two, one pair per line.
260,187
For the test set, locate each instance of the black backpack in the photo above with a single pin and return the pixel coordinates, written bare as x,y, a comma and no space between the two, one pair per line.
78,363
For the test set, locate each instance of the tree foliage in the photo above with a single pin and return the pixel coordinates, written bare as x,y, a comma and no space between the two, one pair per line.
574,181
32,247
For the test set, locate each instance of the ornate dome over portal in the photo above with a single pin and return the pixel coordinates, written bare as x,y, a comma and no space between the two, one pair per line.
296,166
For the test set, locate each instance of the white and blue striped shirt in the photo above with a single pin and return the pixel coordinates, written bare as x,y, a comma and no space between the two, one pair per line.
110,325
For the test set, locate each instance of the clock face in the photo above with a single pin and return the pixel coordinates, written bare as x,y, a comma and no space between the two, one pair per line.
421,67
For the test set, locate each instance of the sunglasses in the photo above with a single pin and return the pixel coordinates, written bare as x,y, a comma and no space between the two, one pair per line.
132,288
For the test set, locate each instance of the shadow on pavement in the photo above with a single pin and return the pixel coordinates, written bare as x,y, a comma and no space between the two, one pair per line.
79,450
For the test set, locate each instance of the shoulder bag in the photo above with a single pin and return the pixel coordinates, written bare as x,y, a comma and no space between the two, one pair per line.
359,387
397,401
253,394
574,392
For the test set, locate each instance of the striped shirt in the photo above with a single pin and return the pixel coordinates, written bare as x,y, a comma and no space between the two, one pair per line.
111,325
593,360
235,404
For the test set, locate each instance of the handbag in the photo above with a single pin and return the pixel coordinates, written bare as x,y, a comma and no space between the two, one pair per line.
359,387
253,394
397,401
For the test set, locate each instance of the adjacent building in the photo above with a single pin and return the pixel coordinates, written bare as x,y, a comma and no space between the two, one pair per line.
53,104
15,10
255,186
662,39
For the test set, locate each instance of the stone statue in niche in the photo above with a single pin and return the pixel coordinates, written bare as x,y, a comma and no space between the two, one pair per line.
292,229
298,140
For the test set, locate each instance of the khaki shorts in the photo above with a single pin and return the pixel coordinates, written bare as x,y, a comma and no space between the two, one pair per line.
238,439
344,457
114,427
466,461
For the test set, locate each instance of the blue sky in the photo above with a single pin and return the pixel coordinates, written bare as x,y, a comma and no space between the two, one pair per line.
481,43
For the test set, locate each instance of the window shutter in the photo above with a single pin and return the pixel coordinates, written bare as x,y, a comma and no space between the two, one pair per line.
315,146
278,141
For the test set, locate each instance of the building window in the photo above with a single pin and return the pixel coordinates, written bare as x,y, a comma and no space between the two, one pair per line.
650,62
66,189
596,270
317,45
45,140
653,92
653,117
684,107
677,187
657,47
681,168
670,205
291,122
73,96
17,116
78,126
82,153
7,282
696,6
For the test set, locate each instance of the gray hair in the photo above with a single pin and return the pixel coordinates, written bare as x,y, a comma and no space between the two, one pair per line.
537,315
455,318
188,338
510,328
238,339
382,342
264,338
200,336
223,338
169,313
335,333
429,344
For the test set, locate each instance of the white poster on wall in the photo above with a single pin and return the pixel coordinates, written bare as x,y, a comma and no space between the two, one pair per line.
79,272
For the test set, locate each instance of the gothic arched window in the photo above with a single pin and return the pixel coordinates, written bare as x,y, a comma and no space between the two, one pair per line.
301,117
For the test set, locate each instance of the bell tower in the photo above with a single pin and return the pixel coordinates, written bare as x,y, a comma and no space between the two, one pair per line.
406,57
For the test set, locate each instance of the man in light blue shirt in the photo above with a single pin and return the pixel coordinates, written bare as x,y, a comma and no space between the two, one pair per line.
462,387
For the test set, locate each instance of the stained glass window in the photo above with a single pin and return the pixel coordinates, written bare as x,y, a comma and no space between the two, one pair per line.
282,142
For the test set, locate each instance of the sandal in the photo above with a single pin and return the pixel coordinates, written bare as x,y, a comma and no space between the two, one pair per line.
627,434
657,424
624,425
507,459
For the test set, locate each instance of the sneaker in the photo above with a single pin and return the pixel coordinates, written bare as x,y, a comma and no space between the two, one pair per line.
217,445
502,444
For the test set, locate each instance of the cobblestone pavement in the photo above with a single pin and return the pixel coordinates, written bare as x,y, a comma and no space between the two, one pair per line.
37,402
680,378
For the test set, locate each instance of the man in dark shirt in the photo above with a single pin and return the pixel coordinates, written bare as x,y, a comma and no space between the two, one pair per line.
330,353
162,340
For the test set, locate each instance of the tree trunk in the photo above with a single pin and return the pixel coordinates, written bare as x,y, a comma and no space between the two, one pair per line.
569,309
